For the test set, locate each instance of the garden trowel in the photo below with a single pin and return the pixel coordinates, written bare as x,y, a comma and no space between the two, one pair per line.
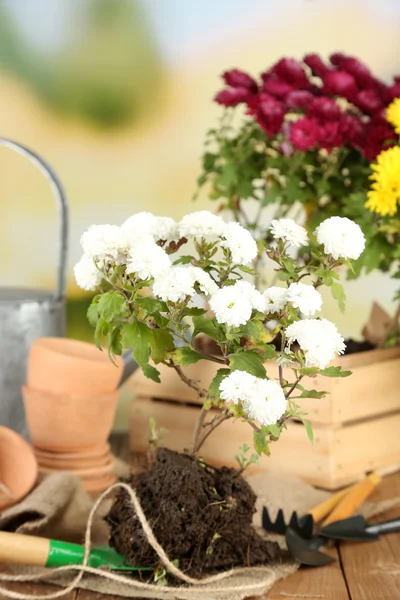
16,548
358,530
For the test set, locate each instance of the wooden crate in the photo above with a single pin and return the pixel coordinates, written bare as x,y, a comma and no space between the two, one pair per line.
356,426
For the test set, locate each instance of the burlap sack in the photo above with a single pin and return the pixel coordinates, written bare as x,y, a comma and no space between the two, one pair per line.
59,504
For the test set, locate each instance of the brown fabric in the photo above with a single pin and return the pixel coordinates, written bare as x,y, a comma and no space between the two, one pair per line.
68,501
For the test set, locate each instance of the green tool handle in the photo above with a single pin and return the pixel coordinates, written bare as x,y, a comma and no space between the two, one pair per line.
16,548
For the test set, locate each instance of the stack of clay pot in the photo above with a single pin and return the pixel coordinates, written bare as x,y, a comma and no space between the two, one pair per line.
70,401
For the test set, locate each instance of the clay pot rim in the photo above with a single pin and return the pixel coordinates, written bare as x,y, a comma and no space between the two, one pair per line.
30,459
75,396
83,350
61,455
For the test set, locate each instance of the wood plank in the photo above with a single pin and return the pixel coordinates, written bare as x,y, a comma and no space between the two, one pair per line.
324,583
372,569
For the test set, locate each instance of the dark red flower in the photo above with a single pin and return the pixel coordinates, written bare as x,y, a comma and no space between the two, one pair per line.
351,128
239,79
304,134
324,108
368,101
276,87
299,99
330,135
393,91
233,96
316,64
268,112
337,58
340,83
290,71
377,136
361,73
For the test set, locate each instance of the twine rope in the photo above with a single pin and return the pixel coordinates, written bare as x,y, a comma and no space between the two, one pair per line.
106,574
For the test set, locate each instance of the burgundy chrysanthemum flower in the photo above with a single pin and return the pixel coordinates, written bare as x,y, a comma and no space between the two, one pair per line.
304,134
324,108
330,135
351,129
377,136
368,101
340,83
316,64
239,79
393,91
233,96
290,71
299,99
268,112
276,87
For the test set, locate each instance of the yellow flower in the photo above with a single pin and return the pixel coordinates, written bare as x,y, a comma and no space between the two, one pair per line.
385,189
393,114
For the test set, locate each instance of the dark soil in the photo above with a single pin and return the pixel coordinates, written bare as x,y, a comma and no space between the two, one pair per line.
352,346
201,515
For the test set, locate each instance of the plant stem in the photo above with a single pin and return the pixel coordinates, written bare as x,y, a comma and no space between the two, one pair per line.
209,428
197,429
201,392
254,426
299,378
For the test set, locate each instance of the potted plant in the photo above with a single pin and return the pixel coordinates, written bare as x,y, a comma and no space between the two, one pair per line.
152,276
302,148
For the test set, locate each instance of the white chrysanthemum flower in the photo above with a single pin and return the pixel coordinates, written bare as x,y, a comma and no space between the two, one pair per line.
240,242
146,259
341,238
144,224
231,306
87,275
105,242
276,298
236,386
257,299
319,339
175,285
202,223
267,403
205,282
304,297
290,231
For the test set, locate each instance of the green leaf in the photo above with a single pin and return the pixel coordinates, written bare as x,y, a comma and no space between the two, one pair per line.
161,342
115,343
339,295
310,371
260,443
207,326
111,305
102,328
138,337
335,372
151,305
193,312
184,260
249,361
309,429
185,356
93,312
151,372
312,394
245,269
269,352
273,430
213,389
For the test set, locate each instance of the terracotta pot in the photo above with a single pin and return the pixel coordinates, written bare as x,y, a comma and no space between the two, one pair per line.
92,453
69,464
90,473
18,468
96,486
70,423
59,365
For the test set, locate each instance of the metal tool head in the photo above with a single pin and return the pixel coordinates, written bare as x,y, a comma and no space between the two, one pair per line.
353,528
104,556
302,525
307,551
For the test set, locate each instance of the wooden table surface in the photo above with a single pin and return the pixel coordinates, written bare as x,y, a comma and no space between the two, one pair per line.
363,571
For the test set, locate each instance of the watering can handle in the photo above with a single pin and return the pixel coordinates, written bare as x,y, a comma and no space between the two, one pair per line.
59,193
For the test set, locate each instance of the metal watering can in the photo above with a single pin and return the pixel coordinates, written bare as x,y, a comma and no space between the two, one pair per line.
26,314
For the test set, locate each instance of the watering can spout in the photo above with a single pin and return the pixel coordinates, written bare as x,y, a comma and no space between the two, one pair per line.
130,366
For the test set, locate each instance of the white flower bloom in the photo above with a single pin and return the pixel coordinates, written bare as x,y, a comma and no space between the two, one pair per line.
231,306
262,399
87,275
290,231
202,223
145,224
257,299
267,403
240,242
276,298
206,284
105,242
147,260
175,285
304,297
341,237
319,339
236,386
